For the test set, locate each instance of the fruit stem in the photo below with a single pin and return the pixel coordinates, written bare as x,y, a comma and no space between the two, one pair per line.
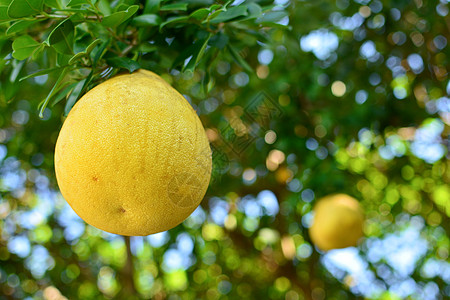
128,271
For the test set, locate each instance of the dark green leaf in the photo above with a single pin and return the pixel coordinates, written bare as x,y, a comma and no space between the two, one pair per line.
238,58
272,16
173,20
61,38
123,62
229,14
174,6
100,51
147,47
24,46
39,73
147,20
151,6
119,17
74,3
20,25
198,51
219,40
24,8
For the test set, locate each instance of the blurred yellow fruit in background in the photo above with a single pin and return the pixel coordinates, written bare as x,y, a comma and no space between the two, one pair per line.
338,222
132,157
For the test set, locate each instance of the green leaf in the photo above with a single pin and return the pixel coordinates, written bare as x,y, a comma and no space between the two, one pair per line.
173,21
44,103
74,3
147,47
119,17
24,8
219,40
104,7
151,6
229,14
62,59
39,73
4,12
238,58
81,54
198,51
38,51
77,90
100,51
53,3
272,17
147,20
213,15
124,62
76,57
174,6
24,46
20,25
200,14
61,38
92,46
214,7
254,11
65,91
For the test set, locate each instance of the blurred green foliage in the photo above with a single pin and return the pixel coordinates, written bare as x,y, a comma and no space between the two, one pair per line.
300,99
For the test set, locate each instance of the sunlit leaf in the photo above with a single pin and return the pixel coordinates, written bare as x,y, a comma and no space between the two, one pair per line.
230,14
174,6
147,20
173,20
119,17
75,3
200,14
4,11
24,8
24,46
20,26
53,3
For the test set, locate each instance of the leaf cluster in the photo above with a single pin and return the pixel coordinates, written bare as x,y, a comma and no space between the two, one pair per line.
83,42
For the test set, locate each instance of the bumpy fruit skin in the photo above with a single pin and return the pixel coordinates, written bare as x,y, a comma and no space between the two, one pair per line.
132,157
338,222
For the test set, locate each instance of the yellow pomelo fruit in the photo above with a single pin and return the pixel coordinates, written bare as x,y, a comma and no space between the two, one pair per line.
132,157
338,222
